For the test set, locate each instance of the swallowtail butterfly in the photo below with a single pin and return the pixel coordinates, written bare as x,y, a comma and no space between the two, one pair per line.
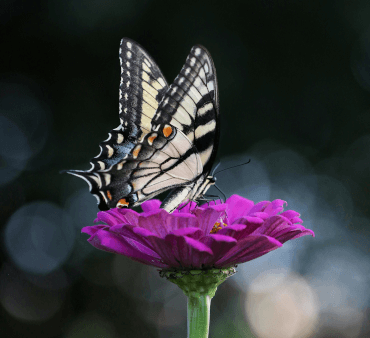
167,137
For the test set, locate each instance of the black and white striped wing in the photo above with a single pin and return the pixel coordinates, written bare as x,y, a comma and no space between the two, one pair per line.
191,105
167,137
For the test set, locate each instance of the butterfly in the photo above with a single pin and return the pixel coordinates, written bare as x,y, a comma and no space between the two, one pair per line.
167,137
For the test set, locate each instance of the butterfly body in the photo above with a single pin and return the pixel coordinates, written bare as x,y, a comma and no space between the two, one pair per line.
167,137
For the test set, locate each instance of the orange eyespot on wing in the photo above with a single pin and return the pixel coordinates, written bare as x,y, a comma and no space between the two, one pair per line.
109,195
151,138
167,130
136,151
122,203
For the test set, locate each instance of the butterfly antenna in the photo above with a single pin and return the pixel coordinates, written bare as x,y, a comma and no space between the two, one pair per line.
231,167
218,164
220,191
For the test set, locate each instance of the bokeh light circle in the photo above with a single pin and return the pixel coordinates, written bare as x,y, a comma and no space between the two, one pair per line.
39,237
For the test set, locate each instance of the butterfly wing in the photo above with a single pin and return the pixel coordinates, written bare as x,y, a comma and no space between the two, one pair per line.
191,104
158,146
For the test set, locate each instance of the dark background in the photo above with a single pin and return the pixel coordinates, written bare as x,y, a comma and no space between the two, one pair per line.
294,81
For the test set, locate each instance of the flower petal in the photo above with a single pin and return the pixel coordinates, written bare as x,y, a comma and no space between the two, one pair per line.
155,221
108,241
271,226
293,233
248,247
239,231
158,245
209,216
275,207
290,214
92,229
195,233
237,207
180,221
185,207
151,205
188,251
219,244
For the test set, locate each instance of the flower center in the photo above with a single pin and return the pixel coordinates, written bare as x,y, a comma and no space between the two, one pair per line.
217,227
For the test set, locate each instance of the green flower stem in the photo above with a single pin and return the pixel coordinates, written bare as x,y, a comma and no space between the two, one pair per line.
198,316
199,286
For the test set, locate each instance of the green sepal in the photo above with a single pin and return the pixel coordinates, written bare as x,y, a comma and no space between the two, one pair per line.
198,282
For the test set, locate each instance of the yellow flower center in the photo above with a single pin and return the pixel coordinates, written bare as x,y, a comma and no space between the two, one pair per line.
217,227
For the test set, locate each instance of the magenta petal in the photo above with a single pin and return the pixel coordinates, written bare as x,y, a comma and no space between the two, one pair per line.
151,205
290,214
194,233
238,207
272,244
275,207
181,220
239,231
209,216
155,221
270,226
219,244
290,233
296,220
185,207
160,246
118,216
111,242
107,218
132,232
259,214
259,207
190,252
247,247
92,229
248,220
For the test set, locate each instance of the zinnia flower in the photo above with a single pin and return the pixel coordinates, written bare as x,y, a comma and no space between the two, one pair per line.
218,235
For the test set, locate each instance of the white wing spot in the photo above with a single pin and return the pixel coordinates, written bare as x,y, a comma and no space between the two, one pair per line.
161,81
119,138
128,64
197,51
128,84
128,74
147,62
206,67
181,80
192,62
129,54
110,150
125,110
102,165
129,45
107,178
126,96
187,71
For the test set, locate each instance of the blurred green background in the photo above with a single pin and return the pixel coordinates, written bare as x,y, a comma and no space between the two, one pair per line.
294,82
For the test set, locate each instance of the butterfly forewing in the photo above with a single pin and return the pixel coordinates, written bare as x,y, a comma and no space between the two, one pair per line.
191,104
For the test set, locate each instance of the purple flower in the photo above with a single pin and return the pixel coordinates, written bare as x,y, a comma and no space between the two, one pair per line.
219,235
